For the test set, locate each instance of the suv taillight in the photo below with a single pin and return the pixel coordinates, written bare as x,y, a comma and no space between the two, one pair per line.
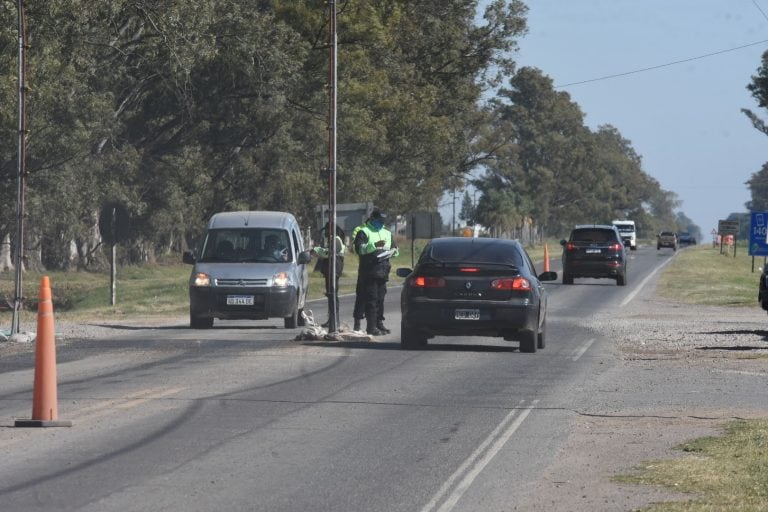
615,247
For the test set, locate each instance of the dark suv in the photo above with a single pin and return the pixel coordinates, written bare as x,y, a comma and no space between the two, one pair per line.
594,250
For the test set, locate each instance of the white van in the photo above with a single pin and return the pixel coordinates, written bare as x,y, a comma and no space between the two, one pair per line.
251,265
628,232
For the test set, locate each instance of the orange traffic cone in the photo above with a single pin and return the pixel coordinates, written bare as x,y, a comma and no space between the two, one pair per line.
44,409
546,258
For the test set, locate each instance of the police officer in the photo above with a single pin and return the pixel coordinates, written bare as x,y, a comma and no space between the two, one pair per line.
358,313
323,263
375,245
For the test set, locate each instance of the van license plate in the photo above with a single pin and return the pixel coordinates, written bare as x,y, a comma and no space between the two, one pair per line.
467,314
239,300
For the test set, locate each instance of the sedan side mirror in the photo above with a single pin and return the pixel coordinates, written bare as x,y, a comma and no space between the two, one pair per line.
403,272
563,242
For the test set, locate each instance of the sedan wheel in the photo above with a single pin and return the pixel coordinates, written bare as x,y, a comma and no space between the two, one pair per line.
528,341
542,338
411,339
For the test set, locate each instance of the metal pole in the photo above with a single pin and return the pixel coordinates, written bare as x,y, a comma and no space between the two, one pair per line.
19,256
332,292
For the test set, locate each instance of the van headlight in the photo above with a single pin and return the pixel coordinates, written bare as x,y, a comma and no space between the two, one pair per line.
281,279
201,279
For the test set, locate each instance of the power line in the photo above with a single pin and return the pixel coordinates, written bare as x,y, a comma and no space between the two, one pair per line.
760,9
642,70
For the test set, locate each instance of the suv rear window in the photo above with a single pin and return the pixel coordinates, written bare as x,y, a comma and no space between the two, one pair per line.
593,235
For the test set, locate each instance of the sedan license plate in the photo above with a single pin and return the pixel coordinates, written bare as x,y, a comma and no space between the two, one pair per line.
592,251
467,314
239,300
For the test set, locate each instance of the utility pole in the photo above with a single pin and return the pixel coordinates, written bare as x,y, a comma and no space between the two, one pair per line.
22,176
332,292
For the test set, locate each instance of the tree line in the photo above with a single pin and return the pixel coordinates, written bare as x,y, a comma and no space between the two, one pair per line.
178,109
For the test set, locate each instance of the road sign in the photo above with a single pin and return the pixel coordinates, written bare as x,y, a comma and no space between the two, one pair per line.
728,227
758,229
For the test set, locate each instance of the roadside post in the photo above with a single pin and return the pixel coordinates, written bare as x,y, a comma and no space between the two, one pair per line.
113,227
728,227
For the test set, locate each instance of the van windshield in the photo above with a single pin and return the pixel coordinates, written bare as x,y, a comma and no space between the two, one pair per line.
254,245
625,228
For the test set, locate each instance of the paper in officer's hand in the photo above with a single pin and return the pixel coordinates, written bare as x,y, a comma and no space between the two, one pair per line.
385,254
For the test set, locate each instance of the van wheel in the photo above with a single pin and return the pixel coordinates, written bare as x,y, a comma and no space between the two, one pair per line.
200,322
292,321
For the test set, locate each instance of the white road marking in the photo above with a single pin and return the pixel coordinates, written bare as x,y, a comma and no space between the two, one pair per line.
639,287
476,462
580,351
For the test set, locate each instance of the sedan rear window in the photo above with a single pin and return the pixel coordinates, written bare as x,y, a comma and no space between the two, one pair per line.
473,252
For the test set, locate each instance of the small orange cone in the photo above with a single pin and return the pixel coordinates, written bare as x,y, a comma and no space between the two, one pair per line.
44,409
546,258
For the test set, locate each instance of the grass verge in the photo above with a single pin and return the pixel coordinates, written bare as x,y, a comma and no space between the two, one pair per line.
727,473
702,275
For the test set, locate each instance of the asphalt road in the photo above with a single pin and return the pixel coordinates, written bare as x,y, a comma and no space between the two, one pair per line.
241,417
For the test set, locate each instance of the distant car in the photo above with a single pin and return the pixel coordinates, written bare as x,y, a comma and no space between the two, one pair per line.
474,287
667,239
685,238
596,251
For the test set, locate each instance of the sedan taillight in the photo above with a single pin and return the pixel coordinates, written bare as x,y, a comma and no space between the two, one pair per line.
427,282
511,283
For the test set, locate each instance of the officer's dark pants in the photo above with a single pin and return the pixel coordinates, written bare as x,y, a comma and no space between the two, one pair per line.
375,290
359,312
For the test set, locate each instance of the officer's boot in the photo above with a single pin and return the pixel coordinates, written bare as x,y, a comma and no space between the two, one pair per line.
370,327
380,326
357,325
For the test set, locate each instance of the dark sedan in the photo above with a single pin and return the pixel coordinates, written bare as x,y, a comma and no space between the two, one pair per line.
474,287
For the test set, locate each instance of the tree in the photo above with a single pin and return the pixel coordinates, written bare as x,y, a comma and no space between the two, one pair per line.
467,211
758,189
759,89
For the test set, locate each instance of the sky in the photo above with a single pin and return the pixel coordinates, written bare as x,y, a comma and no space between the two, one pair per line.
683,118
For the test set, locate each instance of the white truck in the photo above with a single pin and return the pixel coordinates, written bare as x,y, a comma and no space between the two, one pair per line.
628,232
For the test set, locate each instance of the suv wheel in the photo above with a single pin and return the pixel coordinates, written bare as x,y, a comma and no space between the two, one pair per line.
567,278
